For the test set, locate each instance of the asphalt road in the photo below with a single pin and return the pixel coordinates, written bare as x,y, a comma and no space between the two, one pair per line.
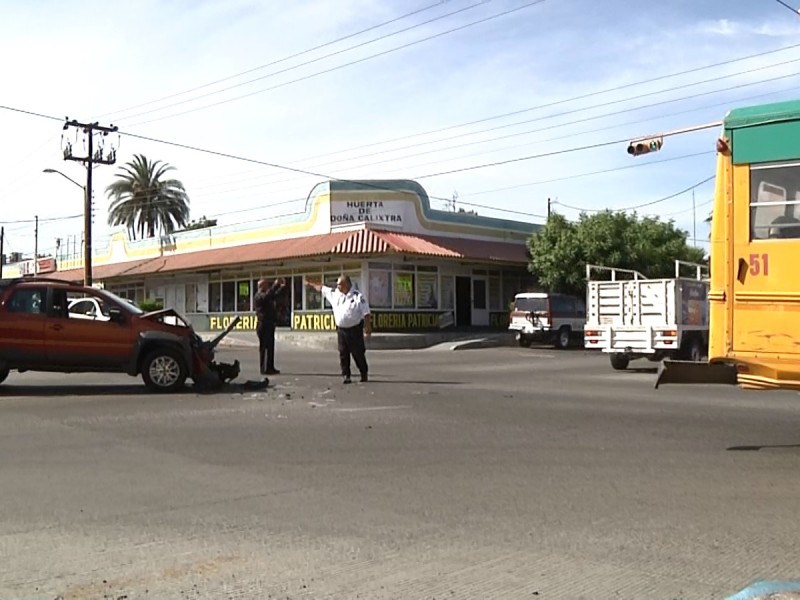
498,473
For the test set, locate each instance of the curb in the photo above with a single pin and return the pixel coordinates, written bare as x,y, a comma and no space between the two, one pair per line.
399,342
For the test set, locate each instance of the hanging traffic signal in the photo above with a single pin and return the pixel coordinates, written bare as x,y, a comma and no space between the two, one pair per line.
637,147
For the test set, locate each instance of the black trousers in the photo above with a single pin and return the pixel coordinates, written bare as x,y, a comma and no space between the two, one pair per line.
266,346
351,342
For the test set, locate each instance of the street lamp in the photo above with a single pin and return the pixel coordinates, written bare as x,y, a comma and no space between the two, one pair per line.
87,228
64,176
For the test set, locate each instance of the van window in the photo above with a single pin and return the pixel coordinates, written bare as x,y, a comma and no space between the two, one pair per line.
531,304
562,306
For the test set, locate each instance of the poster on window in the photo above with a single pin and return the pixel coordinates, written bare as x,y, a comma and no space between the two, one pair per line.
379,289
426,283
404,290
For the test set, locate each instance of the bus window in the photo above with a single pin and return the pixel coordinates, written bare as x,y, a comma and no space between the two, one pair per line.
775,201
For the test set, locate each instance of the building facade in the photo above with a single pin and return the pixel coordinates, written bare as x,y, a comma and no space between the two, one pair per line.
420,268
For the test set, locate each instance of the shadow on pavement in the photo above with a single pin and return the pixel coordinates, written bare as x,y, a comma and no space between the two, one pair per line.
651,370
372,379
74,390
757,448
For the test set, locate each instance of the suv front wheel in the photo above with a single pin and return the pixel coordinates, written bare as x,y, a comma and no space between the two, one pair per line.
163,370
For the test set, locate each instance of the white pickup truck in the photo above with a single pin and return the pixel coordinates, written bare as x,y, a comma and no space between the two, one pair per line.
629,316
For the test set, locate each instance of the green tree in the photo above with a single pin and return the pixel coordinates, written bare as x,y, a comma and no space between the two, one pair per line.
561,250
145,201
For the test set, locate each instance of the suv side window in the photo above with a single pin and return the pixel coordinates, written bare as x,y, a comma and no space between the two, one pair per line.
58,303
27,301
561,306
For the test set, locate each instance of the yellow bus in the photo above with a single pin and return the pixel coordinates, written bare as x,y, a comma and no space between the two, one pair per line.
754,294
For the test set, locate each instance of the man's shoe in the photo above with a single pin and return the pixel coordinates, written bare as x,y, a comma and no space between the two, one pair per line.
364,378
346,379
273,372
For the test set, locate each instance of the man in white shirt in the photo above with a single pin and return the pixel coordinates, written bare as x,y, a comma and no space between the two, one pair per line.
353,321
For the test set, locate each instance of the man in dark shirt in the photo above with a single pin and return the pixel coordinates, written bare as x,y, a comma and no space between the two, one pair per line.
267,316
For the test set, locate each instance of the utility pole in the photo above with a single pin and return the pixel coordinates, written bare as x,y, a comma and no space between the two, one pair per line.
549,204
93,157
36,246
2,255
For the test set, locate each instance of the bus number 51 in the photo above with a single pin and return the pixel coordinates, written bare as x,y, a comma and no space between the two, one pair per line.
759,264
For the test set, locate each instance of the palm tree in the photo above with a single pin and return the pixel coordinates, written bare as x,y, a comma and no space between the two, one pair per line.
144,201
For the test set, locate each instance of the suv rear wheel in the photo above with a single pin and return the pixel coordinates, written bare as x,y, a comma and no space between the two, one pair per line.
163,370
563,338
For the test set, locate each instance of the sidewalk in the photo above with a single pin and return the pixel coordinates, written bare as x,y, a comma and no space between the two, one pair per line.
326,340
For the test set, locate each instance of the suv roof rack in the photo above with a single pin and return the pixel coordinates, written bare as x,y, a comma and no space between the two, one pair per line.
16,280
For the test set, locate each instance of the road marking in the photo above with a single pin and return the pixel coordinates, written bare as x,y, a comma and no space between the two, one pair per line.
365,408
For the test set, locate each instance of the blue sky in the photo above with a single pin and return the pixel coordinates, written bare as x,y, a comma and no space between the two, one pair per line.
402,114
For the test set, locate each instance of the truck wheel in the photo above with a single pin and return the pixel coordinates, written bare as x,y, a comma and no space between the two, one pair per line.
4,371
163,370
619,362
564,337
524,341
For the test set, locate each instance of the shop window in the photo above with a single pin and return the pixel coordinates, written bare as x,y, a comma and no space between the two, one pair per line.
329,280
297,290
380,288
448,292
214,296
775,201
427,288
228,296
190,299
403,286
494,294
243,296
313,296
511,288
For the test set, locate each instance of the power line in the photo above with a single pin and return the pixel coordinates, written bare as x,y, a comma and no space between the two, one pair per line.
581,133
280,60
336,68
782,3
559,125
686,210
589,174
564,100
308,62
29,112
48,220
574,122
664,199
601,105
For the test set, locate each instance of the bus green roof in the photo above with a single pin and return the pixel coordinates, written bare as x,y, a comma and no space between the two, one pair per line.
761,114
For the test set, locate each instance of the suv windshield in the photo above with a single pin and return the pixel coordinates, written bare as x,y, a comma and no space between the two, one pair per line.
123,303
531,304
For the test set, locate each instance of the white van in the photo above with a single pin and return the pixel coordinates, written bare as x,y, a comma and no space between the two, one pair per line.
552,318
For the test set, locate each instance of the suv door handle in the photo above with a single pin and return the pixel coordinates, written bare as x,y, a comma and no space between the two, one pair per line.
56,327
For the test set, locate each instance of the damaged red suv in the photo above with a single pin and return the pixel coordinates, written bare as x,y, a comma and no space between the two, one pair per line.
50,325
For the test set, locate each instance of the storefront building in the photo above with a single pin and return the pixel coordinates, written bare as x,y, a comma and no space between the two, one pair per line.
420,268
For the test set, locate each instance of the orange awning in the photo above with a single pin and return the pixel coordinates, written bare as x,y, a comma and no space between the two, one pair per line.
353,243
